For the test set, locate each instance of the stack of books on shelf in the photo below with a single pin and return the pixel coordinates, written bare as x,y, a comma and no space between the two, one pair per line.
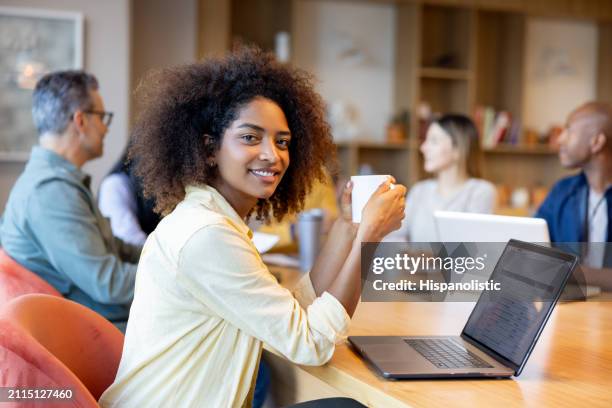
496,127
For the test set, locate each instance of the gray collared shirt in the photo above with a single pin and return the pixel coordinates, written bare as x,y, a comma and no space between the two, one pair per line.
52,226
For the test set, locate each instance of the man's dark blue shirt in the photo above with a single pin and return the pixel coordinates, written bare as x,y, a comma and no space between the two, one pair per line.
565,210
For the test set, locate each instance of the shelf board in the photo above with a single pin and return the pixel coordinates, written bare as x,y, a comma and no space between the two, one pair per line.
522,149
368,144
444,73
514,211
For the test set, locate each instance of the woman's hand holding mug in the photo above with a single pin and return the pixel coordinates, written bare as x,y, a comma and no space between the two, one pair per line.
384,207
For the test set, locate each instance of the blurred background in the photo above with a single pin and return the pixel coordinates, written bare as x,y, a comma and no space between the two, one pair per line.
384,69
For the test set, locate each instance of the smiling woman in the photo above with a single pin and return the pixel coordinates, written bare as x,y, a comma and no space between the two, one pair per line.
219,141
184,106
254,155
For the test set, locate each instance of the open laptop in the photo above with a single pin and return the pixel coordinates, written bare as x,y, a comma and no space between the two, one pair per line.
501,331
456,227
470,227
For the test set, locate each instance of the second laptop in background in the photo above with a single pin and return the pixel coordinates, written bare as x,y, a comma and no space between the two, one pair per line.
472,227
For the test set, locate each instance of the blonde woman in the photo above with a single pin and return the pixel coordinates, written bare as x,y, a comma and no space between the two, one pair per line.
451,152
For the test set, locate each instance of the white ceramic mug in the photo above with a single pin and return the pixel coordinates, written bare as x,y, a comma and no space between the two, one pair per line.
363,188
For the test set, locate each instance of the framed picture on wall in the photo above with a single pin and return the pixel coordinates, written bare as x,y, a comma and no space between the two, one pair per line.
33,42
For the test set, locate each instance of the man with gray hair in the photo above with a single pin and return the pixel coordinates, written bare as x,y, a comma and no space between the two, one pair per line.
51,224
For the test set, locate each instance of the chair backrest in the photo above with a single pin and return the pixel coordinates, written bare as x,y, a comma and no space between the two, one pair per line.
85,342
27,364
15,280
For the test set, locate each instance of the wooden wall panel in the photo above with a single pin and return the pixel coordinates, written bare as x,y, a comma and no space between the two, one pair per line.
588,9
604,71
259,20
213,27
407,51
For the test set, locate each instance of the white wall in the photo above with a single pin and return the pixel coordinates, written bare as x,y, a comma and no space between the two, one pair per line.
323,30
561,69
123,40
106,55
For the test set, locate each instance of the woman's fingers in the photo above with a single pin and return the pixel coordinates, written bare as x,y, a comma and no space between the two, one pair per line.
346,193
400,189
385,186
346,202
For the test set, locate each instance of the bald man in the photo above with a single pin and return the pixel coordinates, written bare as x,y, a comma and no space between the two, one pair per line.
579,208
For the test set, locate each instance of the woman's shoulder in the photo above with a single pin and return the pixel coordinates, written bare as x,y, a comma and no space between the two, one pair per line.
186,218
196,227
189,220
427,184
115,181
116,195
481,196
423,187
481,185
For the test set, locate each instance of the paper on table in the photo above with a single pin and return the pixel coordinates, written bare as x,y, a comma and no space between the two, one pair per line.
264,242
281,260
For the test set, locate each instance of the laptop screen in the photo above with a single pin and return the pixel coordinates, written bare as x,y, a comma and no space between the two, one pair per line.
509,321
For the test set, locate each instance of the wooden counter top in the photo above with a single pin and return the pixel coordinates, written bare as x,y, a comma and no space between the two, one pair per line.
571,364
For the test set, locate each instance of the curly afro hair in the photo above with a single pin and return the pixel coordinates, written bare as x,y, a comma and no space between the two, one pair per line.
183,104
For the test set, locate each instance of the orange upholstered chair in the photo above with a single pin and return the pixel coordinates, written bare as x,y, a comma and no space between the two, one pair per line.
86,343
15,280
26,364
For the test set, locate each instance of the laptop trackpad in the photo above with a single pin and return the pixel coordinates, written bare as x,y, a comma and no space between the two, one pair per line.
391,353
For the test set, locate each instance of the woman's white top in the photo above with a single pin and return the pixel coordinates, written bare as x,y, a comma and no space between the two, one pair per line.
475,196
117,202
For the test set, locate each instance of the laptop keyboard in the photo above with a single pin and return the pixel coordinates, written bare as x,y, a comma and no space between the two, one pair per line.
445,353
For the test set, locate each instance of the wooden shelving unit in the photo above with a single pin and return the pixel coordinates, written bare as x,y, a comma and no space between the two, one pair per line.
444,73
522,168
521,150
435,64
455,55
382,158
466,54
368,144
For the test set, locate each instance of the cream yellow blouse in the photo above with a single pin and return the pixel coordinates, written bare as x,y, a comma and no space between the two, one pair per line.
204,304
